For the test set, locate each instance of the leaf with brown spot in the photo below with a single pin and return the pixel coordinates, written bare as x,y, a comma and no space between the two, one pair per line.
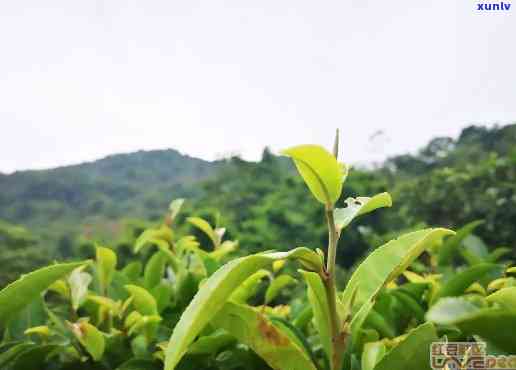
254,329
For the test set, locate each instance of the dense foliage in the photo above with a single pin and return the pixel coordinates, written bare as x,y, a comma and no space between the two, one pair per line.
449,182
167,299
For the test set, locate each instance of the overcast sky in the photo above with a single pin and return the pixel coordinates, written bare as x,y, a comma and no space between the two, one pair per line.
83,79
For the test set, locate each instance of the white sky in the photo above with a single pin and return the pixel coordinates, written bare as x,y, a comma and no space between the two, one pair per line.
83,79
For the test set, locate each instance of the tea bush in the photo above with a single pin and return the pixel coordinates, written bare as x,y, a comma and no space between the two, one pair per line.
182,305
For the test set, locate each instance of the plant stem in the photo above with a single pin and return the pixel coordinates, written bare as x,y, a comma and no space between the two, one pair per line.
330,285
337,339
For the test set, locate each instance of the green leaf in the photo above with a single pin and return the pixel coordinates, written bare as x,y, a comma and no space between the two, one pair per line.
277,285
409,303
133,270
249,288
505,297
11,354
212,344
320,170
143,301
255,330
90,337
372,354
382,266
490,324
224,249
321,309
175,208
448,311
413,352
359,206
498,253
450,245
214,293
162,235
155,269
388,262
206,228
20,293
35,357
79,282
106,266
459,282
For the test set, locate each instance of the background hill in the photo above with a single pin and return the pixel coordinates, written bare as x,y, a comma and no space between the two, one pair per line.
60,213
133,184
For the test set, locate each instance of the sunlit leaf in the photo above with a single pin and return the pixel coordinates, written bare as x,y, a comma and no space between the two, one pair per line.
79,282
359,206
162,235
106,265
388,262
143,301
321,309
155,269
320,170
214,293
449,248
90,337
206,228
20,293
372,354
505,297
175,208
382,266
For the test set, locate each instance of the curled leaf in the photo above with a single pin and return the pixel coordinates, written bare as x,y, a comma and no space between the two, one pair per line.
359,206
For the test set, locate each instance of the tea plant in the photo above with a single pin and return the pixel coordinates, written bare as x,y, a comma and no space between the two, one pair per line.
180,305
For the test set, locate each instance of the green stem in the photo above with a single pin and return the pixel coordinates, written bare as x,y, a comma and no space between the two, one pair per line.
337,336
331,289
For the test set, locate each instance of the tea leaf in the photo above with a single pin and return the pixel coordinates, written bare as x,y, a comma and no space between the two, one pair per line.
491,324
372,354
321,311
20,293
106,265
143,301
79,282
90,337
175,207
277,285
320,170
505,297
360,206
459,282
449,248
249,287
252,328
388,262
206,228
412,352
155,269
214,293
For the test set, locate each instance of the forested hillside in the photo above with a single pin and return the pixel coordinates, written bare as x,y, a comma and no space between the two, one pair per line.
263,204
